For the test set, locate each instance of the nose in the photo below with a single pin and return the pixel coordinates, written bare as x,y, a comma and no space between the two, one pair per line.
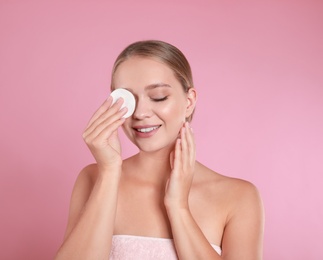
143,109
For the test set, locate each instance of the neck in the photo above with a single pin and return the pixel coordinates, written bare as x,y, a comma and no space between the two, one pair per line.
154,167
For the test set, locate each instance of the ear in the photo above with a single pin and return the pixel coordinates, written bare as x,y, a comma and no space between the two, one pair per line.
191,102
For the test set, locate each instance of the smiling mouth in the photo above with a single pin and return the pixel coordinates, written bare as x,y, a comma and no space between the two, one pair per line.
147,130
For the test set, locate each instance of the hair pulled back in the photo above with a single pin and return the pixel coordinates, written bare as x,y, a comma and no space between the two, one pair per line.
165,53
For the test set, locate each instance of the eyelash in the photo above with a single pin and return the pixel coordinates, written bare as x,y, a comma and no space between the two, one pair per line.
159,99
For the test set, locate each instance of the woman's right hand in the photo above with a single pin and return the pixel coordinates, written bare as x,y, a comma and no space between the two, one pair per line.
101,135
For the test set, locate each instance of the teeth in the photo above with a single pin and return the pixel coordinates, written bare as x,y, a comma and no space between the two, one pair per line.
147,130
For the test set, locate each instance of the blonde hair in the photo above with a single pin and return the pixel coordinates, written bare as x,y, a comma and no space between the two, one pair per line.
164,52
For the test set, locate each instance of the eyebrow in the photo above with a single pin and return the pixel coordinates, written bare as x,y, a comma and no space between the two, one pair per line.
152,86
157,85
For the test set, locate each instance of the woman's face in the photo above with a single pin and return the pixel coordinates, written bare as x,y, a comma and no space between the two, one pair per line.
161,103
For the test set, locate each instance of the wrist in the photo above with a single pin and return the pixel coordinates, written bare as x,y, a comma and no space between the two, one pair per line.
110,167
178,214
177,208
174,204
109,171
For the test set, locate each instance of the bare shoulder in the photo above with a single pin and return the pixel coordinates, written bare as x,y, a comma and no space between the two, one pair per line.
83,186
87,175
80,194
237,205
233,187
235,195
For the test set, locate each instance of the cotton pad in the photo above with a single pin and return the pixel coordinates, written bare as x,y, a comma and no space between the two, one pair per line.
129,100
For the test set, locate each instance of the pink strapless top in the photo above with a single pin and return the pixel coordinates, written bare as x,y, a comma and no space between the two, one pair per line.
126,247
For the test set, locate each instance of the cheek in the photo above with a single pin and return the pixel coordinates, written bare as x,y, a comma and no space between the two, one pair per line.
173,118
172,112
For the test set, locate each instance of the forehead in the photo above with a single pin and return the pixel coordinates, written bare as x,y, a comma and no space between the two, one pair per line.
141,71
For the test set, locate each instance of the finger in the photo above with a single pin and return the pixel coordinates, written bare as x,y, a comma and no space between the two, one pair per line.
177,157
104,124
167,184
106,104
190,142
108,131
110,111
185,151
171,159
103,137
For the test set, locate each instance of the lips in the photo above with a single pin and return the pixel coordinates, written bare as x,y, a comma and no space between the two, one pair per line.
146,130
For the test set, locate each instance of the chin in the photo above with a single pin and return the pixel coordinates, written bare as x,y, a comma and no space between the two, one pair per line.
159,141
153,147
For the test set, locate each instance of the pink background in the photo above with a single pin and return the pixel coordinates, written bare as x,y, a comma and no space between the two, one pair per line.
258,70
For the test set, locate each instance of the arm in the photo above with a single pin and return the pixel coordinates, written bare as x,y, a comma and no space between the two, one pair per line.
243,232
189,240
91,219
94,198
243,236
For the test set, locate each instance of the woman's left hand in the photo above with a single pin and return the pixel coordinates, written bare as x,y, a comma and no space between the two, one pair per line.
182,163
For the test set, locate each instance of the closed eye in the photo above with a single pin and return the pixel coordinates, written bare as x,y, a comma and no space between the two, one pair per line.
160,99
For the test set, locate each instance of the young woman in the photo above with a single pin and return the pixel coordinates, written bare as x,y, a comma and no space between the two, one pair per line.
160,203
